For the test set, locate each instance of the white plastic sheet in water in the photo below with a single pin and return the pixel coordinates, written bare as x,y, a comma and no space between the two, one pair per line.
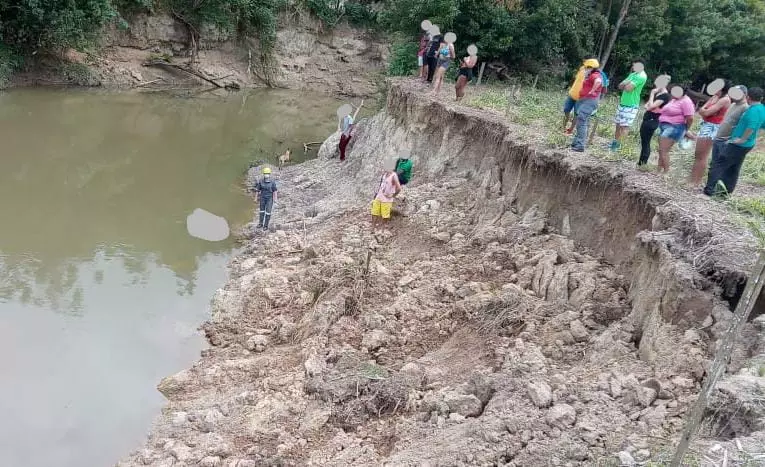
207,226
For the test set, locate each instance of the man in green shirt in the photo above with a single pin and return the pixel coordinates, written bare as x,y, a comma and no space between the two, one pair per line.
723,174
629,103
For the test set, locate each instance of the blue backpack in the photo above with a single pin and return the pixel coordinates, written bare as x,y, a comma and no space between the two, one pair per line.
604,76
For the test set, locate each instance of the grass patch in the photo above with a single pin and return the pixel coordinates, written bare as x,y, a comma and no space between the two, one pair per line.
539,108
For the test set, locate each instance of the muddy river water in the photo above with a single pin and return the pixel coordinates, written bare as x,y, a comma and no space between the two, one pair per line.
101,287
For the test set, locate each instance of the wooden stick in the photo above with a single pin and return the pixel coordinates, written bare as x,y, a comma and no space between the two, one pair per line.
594,130
160,64
725,349
146,83
480,73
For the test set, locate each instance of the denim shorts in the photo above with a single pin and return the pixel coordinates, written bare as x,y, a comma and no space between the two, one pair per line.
672,131
568,106
708,130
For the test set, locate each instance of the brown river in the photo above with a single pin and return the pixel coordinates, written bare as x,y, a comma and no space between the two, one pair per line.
101,287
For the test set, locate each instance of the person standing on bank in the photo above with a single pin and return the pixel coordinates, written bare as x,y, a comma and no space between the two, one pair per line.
346,126
629,103
424,40
431,56
657,99
445,56
589,96
675,119
267,192
737,108
465,74
573,96
712,114
726,169
389,188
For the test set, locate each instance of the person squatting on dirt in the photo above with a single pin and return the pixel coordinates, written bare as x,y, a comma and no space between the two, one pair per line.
267,191
387,191
347,124
404,169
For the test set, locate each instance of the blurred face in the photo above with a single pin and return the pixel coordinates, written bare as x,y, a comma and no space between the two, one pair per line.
637,67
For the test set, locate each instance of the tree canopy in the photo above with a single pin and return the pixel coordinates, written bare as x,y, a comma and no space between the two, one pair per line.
692,40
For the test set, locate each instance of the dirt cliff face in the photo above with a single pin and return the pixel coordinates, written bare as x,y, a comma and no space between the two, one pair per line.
343,61
522,308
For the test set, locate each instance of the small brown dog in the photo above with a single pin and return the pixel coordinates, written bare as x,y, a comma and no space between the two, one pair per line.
284,158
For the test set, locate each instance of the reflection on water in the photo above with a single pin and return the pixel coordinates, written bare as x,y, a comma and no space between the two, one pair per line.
101,287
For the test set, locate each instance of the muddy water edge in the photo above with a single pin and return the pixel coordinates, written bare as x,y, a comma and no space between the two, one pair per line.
101,288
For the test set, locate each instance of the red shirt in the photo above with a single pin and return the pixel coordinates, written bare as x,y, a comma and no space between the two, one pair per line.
587,91
423,45
718,117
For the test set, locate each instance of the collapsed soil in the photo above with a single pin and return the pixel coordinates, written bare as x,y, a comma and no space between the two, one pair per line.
468,331
433,340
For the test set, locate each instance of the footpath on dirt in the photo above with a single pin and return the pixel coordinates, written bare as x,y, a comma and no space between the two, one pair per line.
524,307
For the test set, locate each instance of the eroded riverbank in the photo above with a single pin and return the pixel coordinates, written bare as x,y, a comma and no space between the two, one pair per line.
527,307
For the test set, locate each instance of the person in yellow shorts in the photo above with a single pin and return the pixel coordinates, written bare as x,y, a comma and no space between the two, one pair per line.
389,188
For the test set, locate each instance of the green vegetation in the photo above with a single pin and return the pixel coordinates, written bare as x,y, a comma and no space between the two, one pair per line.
402,61
693,40
330,12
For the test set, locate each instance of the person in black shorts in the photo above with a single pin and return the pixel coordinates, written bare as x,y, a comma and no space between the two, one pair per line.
431,55
465,75
657,99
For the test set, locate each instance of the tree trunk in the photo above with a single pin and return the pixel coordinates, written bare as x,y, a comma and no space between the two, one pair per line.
615,32
743,309
604,33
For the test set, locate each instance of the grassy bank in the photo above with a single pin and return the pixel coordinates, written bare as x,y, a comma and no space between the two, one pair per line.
541,111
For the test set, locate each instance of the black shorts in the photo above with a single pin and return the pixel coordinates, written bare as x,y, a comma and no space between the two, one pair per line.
466,72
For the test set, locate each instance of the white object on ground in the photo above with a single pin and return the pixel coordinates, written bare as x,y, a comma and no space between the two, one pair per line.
207,226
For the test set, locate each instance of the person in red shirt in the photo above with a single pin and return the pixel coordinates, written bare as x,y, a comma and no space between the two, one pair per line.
589,97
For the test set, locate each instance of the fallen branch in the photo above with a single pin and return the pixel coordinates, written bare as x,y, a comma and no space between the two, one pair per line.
149,82
161,63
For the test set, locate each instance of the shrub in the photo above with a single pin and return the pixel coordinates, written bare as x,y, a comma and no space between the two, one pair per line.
403,59
360,15
8,63
328,11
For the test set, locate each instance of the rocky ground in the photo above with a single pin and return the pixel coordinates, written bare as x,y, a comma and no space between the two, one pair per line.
434,341
457,335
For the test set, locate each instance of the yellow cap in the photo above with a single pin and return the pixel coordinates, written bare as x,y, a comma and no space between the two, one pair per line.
592,63
266,170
